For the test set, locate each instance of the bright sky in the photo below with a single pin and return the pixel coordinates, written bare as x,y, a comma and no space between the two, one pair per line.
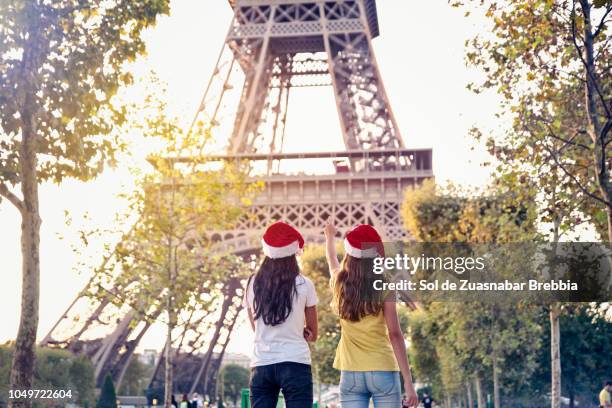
420,52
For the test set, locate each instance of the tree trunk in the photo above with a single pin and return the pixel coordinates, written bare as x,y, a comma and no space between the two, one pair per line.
470,399
555,357
172,315
609,219
597,132
479,392
169,368
222,383
319,386
496,399
24,357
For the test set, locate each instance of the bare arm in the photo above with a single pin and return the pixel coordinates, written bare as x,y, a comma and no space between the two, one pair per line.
311,330
245,302
399,349
330,247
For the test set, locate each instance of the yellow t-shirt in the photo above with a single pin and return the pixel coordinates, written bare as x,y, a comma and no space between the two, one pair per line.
604,397
365,346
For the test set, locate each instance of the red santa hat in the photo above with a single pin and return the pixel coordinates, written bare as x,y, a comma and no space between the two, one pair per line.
363,242
281,240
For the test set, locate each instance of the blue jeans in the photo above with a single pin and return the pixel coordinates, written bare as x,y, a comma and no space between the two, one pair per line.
357,387
293,379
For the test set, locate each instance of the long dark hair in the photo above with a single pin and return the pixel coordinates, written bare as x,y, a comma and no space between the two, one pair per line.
274,288
354,295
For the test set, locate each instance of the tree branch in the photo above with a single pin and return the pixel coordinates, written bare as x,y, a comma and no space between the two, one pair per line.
602,22
588,35
8,194
605,130
567,141
602,49
550,66
574,179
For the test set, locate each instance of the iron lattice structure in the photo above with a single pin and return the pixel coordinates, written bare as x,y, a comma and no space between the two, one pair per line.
272,47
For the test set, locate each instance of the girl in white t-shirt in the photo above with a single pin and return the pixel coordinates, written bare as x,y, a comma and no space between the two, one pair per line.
281,303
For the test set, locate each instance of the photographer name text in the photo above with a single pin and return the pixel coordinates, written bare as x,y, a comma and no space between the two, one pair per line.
466,285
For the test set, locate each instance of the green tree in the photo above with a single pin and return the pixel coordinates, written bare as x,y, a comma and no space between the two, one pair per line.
471,339
61,63
233,379
82,378
167,260
108,397
136,378
422,351
585,334
549,60
55,369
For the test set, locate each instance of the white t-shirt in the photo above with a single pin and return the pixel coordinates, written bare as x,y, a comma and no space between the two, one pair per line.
284,342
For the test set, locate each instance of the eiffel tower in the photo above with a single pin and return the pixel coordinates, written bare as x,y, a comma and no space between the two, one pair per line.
272,48
275,46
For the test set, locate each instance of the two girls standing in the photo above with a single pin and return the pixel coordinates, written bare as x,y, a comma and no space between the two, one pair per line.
281,303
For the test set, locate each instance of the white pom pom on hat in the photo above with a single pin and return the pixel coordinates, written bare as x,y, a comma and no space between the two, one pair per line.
281,240
363,242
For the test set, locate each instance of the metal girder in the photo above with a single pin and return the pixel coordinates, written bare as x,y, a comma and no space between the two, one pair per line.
308,43
369,8
198,369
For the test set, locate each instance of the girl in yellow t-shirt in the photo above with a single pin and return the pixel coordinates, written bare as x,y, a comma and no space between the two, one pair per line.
371,353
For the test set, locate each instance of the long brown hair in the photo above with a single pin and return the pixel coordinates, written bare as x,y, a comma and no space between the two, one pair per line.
354,294
274,289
